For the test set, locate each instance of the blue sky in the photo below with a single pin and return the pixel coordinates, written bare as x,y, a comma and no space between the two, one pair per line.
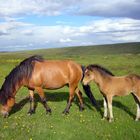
71,20
35,24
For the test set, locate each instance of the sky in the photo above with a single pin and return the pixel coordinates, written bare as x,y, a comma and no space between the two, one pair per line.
38,24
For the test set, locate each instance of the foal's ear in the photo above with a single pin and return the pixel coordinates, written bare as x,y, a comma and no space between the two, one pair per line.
86,70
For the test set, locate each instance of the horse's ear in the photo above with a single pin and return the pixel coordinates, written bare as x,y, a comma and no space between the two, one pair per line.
86,70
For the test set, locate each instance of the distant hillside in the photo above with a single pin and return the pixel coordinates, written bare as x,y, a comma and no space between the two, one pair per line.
99,49
107,49
124,48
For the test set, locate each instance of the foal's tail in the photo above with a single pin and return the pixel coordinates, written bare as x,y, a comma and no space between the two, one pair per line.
88,90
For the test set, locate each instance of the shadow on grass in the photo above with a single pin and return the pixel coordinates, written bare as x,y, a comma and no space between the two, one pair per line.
63,96
117,104
18,106
52,97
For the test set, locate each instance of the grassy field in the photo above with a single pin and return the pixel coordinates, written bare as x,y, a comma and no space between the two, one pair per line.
121,59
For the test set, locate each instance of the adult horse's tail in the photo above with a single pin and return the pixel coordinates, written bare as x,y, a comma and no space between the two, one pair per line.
88,90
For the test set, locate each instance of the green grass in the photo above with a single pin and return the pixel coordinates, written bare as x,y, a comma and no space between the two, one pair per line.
121,59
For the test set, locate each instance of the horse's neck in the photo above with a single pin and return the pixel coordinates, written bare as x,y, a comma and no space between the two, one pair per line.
18,86
101,80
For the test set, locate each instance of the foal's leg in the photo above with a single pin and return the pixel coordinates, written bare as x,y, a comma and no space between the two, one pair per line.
32,108
137,100
71,96
43,99
138,112
79,94
109,100
105,107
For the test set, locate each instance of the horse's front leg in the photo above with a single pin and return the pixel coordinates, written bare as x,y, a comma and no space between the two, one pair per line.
105,108
109,100
31,98
43,99
79,95
71,96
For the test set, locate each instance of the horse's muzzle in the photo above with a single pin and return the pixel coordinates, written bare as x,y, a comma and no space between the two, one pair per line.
5,114
84,82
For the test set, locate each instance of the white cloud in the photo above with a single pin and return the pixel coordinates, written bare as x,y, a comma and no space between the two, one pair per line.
107,8
28,7
27,32
22,35
65,40
29,36
9,26
104,8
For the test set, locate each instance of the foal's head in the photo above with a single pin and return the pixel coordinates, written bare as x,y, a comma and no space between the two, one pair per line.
92,72
88,76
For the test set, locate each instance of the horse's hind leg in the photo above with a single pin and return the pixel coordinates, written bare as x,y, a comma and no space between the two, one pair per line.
138,112
137,100
71,96
32,108
43,99
79,94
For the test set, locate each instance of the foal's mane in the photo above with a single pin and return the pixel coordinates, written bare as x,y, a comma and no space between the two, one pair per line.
99,68
20,72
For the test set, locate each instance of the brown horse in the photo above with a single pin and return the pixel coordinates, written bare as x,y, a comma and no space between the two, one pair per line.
111,86
36,73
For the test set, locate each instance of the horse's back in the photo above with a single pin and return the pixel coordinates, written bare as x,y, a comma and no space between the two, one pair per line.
134,77
135,80
127,84
67,67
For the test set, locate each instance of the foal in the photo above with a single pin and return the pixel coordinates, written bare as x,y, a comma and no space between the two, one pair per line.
110,86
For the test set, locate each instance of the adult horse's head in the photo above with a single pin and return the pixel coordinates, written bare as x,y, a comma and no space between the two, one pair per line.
7,92
6,103
17,77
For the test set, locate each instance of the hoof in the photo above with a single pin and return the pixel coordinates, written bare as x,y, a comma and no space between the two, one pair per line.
137,119
81,109
66,112
48,111
30,112
111,120
103,118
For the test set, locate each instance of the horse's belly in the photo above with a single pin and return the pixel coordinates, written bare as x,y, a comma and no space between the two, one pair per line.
122,93
55,79
54,83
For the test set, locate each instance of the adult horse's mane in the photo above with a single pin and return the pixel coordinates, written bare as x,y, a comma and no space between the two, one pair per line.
23,70
101,69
